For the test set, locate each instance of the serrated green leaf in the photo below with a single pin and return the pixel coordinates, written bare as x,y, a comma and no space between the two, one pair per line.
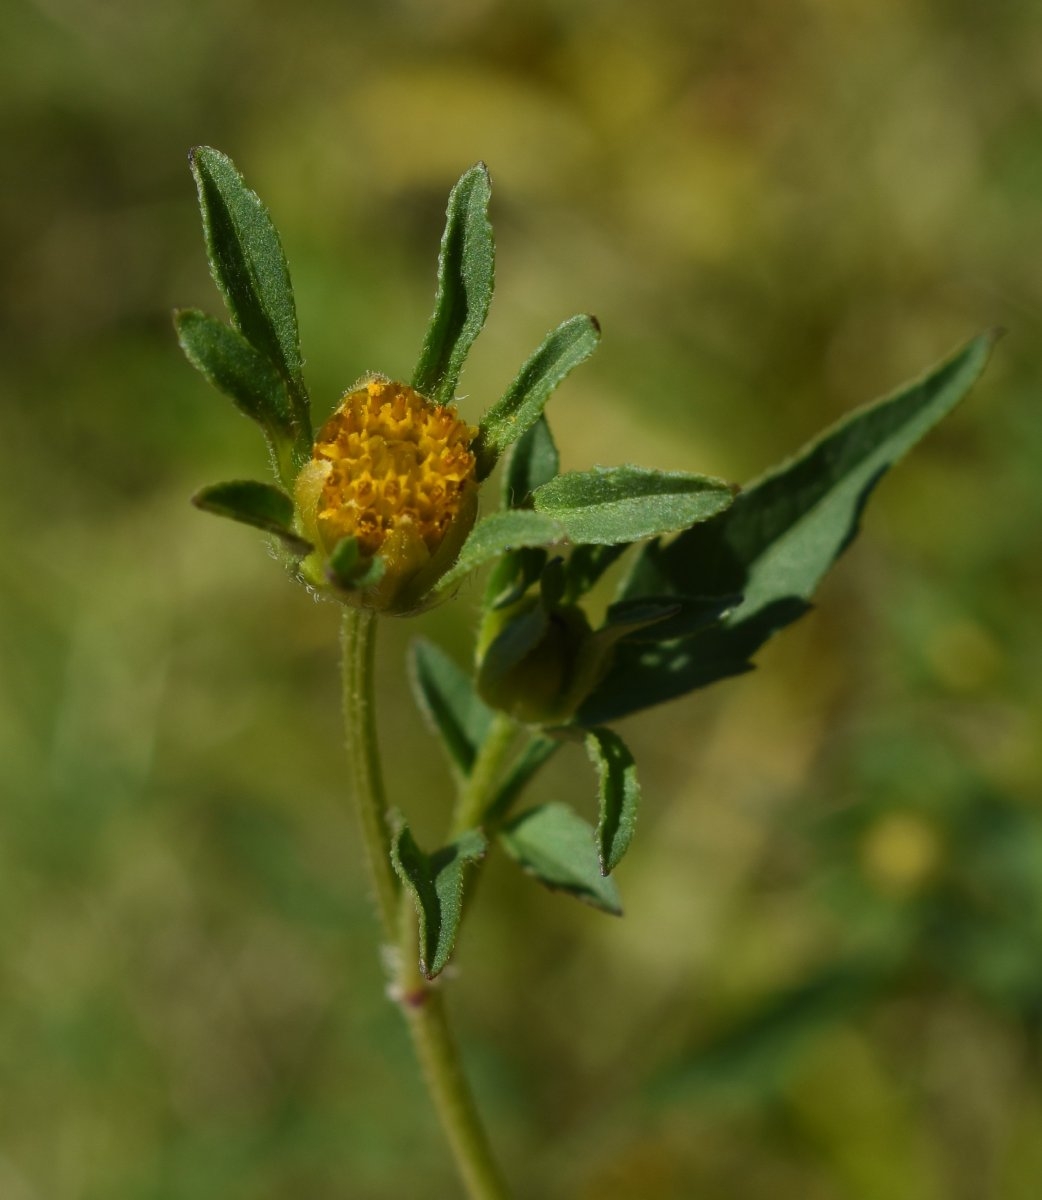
498,533
553,843
249,268
570,344
538,751
618,795
435,883
466,268
624,504
775,543
228,361
446,697
532,461
254,503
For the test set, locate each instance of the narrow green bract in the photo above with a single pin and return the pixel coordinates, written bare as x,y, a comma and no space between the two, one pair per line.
498,533
247,261
228,361
254,503
522,405
532,461
466,271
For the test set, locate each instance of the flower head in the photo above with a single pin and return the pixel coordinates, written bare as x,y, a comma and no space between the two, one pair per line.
393,471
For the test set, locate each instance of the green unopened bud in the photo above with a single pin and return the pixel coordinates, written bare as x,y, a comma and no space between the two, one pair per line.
538,664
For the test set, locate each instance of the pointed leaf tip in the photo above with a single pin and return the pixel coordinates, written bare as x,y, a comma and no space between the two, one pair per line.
563,349
553,843
435,882
254,503
249,267
618,795
466,272
776,542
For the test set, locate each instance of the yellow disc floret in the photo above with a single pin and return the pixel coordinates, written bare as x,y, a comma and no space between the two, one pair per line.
394,471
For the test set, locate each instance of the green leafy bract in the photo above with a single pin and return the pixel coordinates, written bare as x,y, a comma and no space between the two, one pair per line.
446,697
624,504
502,531
532,461
435,882
522,405
228,362
466,267
618,794
254,503
774,544
556,845
249,267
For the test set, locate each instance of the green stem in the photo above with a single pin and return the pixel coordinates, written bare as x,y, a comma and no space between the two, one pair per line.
421,1004
438,1054
358,644
475,793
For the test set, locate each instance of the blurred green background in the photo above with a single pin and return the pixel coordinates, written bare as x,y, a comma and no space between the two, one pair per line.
828,982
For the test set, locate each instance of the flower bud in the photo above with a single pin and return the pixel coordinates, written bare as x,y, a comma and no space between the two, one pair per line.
393,472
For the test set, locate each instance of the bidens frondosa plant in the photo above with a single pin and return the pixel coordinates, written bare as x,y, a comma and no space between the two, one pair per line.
379,511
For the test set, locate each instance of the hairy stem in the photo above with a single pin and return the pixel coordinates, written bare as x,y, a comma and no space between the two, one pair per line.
476,792
421,1004
436,1049
358,644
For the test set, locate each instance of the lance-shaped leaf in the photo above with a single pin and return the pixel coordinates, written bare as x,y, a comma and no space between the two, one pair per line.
556,845
775,543
254,503
435,882
618,795
233,366
533,461
446,697
624,504
498,533
523,402
466,267
249,267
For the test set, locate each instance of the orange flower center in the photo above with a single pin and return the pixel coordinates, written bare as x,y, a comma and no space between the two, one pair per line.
397,462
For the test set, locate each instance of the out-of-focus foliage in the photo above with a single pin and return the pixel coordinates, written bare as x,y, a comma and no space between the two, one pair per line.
777,212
